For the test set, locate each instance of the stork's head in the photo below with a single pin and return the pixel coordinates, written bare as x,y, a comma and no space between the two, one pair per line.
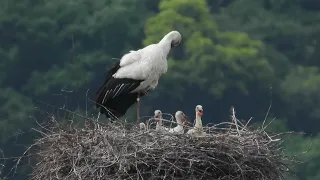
157,115
180,116
199,110
142,126
175,38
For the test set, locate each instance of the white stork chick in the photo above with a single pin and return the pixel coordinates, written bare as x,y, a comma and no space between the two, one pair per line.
143,126
197,130
133,76
158,119
181,119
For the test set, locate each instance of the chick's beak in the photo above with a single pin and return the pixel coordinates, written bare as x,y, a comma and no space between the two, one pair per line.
185,119
156,117
200,112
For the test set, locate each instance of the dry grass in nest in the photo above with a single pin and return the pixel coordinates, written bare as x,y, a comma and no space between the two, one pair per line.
116,151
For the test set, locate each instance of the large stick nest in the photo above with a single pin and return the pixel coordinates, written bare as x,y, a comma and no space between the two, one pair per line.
116,151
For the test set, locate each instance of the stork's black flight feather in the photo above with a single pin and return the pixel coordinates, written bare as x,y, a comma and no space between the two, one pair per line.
114,97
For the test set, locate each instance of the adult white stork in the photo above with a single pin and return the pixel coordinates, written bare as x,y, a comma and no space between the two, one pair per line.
133,76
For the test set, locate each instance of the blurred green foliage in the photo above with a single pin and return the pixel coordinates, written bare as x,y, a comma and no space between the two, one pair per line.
234,52
229,59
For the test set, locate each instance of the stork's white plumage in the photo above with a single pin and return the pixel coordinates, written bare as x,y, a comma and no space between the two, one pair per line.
197,130
134,75
181,119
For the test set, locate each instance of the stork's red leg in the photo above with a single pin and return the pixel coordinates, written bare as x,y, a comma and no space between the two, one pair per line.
138,109
140,93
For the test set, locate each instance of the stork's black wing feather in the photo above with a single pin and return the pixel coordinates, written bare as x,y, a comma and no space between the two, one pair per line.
110,72
116,87
118,106
115,96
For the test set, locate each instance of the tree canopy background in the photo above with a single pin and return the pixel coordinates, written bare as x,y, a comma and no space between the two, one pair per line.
241,53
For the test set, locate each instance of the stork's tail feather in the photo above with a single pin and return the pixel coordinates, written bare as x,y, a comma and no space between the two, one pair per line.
100,95
103,109
114,104
117,107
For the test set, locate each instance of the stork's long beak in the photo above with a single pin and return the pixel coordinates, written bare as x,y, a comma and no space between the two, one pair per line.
156,118
174,44
200,112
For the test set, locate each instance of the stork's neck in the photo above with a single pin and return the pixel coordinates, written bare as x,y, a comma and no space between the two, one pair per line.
165,44
179,122
198,122
159,122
